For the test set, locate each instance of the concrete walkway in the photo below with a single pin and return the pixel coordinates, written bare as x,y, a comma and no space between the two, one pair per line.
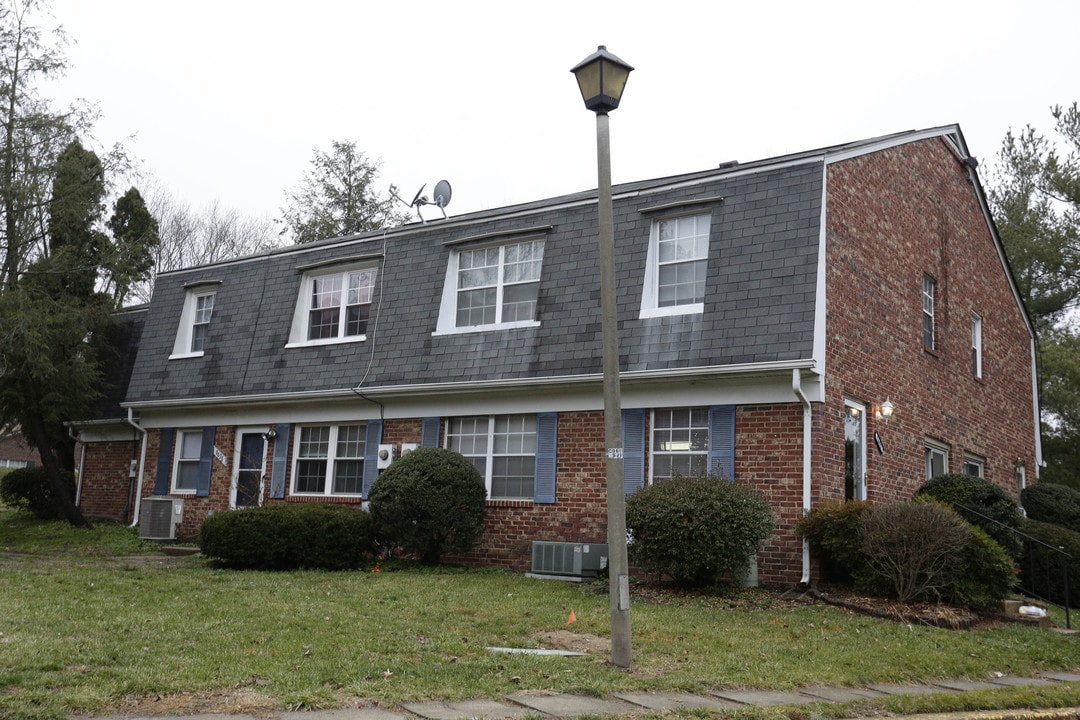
522,705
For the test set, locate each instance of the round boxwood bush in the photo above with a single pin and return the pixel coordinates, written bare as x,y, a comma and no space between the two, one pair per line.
1052,503
289,536
987,573
832,529
431,502
983,497
29,489
697,530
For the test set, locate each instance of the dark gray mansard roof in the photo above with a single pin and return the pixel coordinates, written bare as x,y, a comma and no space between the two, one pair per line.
759,305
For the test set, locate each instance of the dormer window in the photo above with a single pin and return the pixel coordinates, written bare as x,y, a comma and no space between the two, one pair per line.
676,266
194,328
333,306
492,287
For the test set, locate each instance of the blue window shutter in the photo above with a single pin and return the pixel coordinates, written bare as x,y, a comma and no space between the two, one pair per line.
371,454
547,432
722,440
633,440
206,462
429,432
281,457
164,462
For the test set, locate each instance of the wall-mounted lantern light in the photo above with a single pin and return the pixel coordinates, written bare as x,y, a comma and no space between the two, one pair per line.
885,411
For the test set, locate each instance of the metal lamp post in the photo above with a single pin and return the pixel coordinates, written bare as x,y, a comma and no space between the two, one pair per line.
601,78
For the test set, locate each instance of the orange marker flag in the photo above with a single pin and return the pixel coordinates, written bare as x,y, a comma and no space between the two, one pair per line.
572,619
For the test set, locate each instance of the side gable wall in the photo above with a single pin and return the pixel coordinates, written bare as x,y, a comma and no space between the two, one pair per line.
893,216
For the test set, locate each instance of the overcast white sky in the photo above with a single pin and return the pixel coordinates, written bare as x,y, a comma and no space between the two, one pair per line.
227,99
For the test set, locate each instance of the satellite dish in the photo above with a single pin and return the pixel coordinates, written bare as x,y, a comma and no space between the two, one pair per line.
442,194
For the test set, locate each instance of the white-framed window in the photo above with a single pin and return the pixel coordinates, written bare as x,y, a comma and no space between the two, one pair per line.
976,345
490,287
929,286
185,476
937,458
191,335
334,306
329,460
973,465
676,266
680,443
503,449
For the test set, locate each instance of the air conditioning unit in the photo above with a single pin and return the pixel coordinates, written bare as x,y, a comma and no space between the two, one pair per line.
159,518
563,558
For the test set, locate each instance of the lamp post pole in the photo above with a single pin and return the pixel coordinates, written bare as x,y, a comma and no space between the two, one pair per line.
601,78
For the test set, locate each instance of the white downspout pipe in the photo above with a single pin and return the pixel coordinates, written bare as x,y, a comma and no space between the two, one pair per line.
142,466
808,427
82,463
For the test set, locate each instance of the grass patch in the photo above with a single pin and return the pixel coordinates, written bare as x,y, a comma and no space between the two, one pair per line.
21,532
82,636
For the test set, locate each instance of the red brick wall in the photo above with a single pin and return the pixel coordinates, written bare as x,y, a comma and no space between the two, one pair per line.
893,217
107,491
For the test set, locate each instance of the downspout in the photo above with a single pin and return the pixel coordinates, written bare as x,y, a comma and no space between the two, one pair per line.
82,464
142,466
796,386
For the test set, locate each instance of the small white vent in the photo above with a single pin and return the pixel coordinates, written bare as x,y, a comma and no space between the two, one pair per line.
159,518
562,558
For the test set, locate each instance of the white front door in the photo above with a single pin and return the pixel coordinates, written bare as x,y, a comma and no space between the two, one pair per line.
854,450
249,468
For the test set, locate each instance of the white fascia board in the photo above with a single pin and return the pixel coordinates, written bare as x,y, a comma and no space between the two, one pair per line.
950,132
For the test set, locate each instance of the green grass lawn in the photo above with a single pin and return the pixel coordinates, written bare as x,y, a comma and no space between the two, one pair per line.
81,632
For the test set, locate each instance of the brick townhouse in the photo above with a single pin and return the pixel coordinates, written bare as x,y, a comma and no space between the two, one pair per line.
835,323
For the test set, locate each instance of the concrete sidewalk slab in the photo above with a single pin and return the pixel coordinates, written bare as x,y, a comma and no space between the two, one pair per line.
360,713
890,689
764,698
569,706
1061,676
1013,681
841,694
482,708
673,700
963,685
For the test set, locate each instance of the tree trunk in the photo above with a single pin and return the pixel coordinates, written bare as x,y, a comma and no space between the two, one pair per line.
39,439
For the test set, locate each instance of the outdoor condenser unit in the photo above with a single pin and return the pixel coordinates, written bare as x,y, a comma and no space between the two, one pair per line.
563,558
159,518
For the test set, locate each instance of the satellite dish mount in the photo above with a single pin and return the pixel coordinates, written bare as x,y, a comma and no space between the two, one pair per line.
442,198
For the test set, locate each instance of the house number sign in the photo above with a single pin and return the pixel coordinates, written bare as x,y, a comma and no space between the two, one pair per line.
614,453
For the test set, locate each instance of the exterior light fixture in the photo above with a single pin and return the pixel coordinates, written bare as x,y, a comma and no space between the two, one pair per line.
885,411
601,77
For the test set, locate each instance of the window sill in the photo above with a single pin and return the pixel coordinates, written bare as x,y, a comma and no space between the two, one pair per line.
654,312
327,341
486,328
183,356
325,498
931,351
509,503
188,493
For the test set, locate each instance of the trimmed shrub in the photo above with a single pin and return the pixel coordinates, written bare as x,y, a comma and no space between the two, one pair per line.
1042,571
431,502
832,529
983,497
697,530
1050,503
987,573
29,489
289,536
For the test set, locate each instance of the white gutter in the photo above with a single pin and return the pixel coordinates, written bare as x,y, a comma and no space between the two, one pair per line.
142,466
808,426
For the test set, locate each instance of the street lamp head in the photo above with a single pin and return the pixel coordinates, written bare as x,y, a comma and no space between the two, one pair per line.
601,78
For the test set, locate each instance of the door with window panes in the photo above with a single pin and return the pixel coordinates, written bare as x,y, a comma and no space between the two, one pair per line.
249,471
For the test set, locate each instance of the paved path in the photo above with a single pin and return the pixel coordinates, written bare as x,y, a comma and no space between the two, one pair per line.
628,703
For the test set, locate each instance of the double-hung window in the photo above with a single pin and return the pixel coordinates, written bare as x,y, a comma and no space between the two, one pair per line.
680,443
973,465
503,449
188,453
676,266
334,306
937,458
976,346
494,286
195,316
330,460
928,288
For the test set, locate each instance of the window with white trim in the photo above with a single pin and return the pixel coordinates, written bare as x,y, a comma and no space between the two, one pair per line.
330,460
973,465
680,442
334,306
929,286
194,328
503,449
492,287
976,345
676,266
186,461
937,458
